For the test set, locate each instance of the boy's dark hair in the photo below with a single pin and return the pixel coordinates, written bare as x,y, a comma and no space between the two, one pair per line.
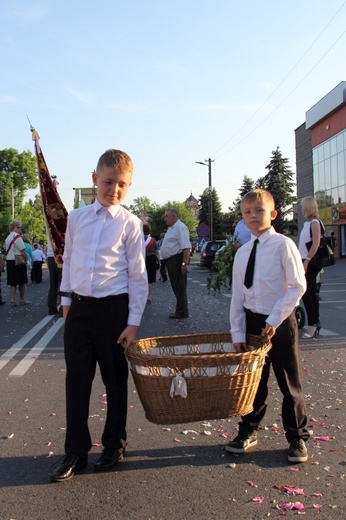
115,159
259,194
146,229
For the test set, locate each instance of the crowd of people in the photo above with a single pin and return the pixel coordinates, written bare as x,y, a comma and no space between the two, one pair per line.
24,262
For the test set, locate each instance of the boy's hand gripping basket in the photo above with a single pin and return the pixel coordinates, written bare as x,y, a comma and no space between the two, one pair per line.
195,377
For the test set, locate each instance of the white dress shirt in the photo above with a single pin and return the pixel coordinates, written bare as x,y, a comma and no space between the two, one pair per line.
278,283
37,255
175,240
17,246
105,255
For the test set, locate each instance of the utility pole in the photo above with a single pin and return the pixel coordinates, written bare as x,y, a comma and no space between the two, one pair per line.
208,162
12,202
211,220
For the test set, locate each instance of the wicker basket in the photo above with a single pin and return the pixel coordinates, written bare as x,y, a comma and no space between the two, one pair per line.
220,383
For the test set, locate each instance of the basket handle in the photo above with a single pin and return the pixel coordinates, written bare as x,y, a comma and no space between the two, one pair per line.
125,345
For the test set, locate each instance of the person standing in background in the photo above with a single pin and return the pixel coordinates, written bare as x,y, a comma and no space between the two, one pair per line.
241,235
28,250
333,240
175,251
16,274
2,265
152,258
37,260
310,235
163,272
55,273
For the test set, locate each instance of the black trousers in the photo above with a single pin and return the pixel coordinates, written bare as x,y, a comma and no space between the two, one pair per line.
91,331
36,272
284,358
55,273
163,272
310,298
178,282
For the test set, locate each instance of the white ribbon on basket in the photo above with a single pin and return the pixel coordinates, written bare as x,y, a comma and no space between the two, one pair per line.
178,386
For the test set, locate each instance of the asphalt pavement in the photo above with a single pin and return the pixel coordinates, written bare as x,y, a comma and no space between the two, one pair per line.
170,471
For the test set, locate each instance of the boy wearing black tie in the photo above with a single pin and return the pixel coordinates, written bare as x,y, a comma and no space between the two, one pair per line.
268,282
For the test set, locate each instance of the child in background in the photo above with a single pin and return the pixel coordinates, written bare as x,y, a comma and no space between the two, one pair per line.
37,260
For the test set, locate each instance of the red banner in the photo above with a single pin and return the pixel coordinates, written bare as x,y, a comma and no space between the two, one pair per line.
55,213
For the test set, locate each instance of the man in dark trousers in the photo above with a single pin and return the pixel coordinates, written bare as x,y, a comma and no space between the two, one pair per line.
175,251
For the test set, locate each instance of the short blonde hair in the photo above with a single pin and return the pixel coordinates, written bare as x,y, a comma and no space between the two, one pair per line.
14,224
115,159
310,207
259,194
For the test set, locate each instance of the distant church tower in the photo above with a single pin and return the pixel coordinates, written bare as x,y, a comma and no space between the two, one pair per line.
193,203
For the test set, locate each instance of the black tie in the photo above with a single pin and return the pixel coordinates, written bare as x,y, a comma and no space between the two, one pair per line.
250,266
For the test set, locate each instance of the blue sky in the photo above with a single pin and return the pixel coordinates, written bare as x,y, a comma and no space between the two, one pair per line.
169,82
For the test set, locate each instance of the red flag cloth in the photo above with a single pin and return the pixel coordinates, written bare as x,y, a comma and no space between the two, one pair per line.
55,213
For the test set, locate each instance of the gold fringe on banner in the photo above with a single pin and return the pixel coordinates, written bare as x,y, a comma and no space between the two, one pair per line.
55,213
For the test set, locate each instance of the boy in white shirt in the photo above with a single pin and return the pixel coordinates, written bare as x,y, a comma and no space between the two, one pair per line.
37,260
263,303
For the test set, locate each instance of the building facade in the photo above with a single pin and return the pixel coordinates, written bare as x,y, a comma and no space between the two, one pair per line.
321,161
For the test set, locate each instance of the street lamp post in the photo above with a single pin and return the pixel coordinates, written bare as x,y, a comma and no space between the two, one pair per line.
208,162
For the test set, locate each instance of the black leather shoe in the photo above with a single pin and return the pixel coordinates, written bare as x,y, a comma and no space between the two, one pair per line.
67,467
178,315
2,302
108,459
52,311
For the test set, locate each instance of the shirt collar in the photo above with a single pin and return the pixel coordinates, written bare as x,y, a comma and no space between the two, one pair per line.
112,210
264,237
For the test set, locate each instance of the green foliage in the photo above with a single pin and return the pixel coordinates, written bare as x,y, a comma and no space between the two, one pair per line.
18,173
33,223
158,224
219,278
142,204
247,185
279,181
218,217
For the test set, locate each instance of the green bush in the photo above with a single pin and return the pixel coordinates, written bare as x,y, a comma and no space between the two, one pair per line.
219,278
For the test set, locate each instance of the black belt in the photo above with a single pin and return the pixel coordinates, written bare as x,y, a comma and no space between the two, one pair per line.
110,298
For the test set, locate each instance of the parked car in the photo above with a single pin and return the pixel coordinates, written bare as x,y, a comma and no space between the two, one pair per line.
208,252
215,265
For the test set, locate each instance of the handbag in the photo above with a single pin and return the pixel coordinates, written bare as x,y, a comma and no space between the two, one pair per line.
19,260
324,256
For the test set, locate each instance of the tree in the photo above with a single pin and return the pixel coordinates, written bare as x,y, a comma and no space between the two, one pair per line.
158,225
33,224
142,204
247,185
18,173
279,181
204,212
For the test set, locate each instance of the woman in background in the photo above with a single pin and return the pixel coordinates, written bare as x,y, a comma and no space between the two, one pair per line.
311,232
16,274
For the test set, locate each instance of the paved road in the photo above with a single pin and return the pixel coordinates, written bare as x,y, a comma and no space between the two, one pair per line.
169,472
